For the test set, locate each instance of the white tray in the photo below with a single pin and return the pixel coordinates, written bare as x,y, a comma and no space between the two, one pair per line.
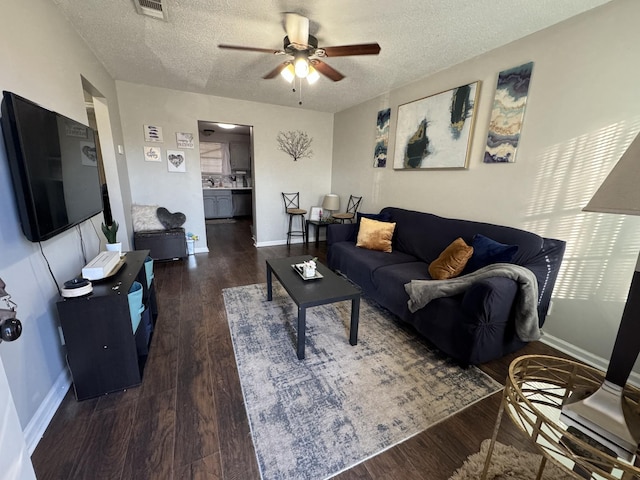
298,268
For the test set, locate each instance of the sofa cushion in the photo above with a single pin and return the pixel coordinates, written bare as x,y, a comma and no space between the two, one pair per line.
375,235
412,235
487,251
389,283
381,217
451,261
360,264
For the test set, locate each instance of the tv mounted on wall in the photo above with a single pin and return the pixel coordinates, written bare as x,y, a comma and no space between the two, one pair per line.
53,165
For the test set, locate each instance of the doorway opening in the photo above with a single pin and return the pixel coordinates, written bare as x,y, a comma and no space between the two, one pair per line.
226,167
116,193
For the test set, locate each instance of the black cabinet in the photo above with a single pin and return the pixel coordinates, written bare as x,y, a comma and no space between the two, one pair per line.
104,354
242,202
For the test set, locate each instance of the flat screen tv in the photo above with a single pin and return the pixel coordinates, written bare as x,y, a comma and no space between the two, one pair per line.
53,166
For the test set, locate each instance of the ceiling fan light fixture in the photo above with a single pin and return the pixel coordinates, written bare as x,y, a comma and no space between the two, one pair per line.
288,73
313,75
301,66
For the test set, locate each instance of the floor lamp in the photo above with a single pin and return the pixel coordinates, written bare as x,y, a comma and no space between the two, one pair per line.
605,414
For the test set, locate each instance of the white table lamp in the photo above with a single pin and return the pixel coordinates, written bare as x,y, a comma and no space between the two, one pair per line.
331,203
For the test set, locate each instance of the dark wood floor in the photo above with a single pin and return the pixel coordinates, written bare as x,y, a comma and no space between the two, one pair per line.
187,420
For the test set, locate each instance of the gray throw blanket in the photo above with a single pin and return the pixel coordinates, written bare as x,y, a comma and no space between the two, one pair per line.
422,292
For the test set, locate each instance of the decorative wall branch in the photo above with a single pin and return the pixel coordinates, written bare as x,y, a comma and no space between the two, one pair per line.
297,144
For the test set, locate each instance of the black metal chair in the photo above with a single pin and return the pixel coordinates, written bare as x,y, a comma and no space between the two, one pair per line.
292,207
352,208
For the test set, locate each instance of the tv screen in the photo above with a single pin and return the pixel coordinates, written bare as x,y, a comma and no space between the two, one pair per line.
54,167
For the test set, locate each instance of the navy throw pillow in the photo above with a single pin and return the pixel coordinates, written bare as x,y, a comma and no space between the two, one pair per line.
487,251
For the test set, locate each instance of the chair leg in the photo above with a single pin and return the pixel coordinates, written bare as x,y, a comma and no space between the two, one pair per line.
304,230
289,232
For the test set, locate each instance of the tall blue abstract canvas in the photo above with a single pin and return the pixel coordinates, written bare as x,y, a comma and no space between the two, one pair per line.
382,138
507,115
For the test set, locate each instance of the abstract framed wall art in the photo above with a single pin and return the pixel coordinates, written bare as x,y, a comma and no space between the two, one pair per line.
507,114
382,138
435,132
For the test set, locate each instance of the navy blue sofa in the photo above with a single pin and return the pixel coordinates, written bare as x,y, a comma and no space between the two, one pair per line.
474,327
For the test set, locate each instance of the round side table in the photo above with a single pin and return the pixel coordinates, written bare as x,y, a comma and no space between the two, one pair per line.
535,390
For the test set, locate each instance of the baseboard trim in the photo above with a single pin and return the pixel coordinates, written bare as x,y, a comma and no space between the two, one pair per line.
274,243
40,421
201,250
584,356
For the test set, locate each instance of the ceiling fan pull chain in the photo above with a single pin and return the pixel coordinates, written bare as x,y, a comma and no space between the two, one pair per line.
300,90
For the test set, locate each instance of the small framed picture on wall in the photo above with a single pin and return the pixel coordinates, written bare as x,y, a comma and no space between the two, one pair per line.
176,161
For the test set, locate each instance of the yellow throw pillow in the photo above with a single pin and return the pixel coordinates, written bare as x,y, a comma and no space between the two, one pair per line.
451,261
375,235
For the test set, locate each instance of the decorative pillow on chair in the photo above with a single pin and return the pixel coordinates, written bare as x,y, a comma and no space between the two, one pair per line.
171,220
375,235
487,251
451,261
145,218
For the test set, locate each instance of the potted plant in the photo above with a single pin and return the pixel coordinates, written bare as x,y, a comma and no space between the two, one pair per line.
111,233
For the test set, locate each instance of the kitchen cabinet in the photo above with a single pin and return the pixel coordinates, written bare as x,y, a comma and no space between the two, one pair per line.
217,203
242,202
240,156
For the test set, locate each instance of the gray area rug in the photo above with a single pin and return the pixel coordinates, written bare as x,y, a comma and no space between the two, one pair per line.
313,418
507,463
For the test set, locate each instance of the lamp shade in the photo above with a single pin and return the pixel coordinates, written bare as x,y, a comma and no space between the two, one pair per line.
620,192
331,202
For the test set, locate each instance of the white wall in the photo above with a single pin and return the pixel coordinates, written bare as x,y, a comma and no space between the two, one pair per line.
583,111
43,60
274,171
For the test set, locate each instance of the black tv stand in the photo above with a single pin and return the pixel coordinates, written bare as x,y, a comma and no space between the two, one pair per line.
103,353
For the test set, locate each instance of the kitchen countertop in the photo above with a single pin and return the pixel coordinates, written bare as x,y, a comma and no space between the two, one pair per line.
227,188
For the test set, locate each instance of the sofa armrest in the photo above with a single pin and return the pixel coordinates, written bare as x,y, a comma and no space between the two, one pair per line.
341,232
490,301
487,329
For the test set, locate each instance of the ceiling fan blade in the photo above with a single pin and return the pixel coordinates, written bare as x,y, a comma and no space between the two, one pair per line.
327,70
297,28
276,71
345,50
251,49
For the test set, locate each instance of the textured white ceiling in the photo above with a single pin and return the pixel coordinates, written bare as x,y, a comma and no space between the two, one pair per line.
417,37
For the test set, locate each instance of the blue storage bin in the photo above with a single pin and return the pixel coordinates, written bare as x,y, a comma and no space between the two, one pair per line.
136,307
148,269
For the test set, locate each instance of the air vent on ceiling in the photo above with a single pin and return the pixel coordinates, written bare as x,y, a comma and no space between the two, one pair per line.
151,8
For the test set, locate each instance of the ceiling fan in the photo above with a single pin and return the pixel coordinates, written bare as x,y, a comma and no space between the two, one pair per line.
304,54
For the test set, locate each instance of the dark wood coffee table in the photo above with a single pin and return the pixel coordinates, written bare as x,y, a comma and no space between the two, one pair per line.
311,293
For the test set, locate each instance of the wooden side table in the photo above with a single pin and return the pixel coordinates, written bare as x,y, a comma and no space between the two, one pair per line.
535,391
